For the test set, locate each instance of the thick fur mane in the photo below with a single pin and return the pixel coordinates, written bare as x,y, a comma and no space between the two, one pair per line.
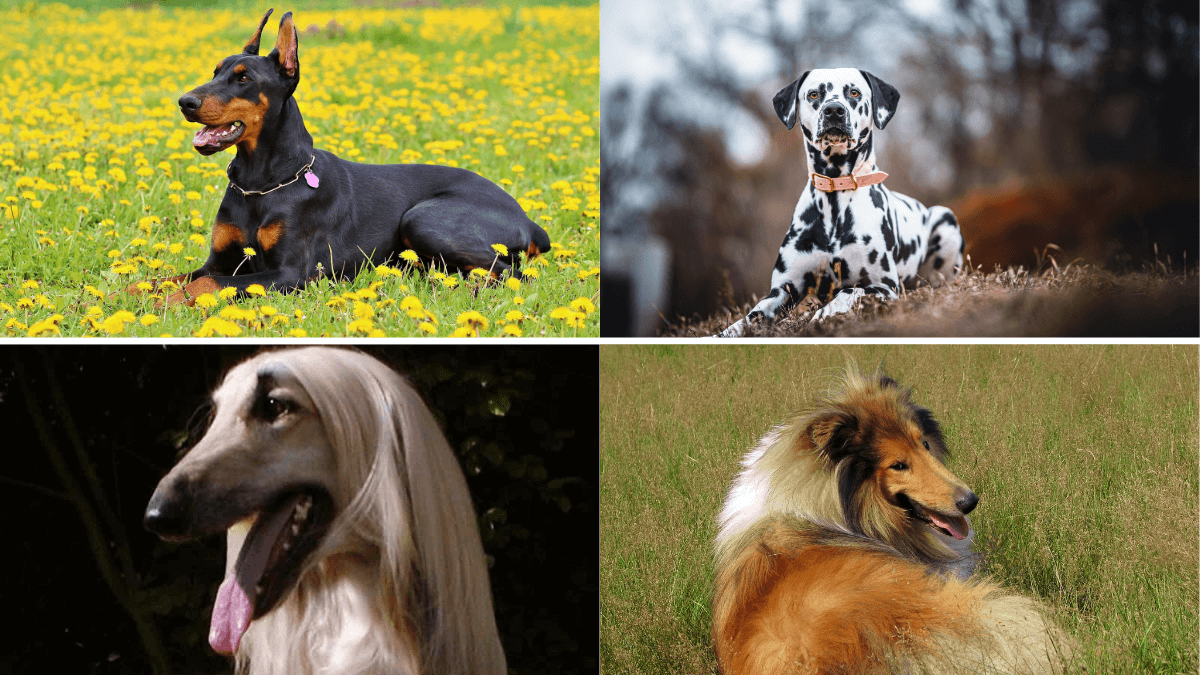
815,471
844,547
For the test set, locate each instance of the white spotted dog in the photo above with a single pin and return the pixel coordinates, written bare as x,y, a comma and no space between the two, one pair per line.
850,235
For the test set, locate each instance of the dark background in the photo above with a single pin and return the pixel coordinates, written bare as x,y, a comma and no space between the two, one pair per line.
88,590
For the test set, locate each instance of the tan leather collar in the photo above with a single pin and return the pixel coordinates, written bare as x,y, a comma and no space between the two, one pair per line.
851,182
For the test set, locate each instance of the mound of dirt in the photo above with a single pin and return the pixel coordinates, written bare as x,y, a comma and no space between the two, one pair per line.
1078,302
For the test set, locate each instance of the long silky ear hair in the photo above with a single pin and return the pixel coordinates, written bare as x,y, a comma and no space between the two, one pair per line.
403,492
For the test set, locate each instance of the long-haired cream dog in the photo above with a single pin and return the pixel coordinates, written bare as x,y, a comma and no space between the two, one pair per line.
352,544
844,547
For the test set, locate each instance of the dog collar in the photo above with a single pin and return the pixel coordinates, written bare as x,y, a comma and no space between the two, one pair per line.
309,176
851,182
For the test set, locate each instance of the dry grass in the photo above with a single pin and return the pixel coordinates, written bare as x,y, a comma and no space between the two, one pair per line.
1079,301
1084,457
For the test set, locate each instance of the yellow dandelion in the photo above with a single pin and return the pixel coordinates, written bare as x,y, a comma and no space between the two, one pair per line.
583,305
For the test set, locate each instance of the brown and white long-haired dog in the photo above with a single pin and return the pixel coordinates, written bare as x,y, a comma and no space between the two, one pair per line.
352,543
844,547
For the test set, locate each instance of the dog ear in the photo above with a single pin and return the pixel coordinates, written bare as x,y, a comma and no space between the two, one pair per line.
884,99
786,103
285,48
831,433
252,46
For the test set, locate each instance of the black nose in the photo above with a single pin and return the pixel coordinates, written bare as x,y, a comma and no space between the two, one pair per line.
189,103
967,502
166,516
835,112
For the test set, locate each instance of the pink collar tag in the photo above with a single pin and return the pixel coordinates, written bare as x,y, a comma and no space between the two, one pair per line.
311,179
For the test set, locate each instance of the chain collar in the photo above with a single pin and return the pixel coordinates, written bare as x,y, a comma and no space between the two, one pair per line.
247,193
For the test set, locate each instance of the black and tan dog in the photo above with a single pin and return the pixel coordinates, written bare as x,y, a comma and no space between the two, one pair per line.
308,214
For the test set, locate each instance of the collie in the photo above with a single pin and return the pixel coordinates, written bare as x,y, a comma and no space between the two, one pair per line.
844,547
352,542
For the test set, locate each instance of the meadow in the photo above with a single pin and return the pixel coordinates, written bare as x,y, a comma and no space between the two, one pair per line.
1084,458
101,190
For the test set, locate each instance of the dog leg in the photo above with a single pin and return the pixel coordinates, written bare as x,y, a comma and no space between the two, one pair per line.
781,298
847,298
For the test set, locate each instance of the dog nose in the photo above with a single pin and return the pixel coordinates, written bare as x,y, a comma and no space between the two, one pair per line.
166,516
967,502
189,103
834,112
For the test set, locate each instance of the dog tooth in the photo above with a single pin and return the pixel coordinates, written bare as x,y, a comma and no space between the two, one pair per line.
286,545
295,528
258,589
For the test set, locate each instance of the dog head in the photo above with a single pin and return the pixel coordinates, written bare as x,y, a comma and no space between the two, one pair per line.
835,107
245,90
264,472
886,453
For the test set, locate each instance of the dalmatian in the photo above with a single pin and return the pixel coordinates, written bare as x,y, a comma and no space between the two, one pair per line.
851,236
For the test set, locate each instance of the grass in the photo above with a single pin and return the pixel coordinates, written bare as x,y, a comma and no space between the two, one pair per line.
1084,457
100,188
1075,301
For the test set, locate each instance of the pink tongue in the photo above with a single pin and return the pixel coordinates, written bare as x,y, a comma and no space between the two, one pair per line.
211,135
947,526
234,606
230,617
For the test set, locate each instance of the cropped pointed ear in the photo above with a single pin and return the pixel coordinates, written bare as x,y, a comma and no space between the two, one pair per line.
884,99
252,46
285,48
786,102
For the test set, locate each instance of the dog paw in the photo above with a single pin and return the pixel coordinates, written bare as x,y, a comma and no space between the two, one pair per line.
841,303
188,294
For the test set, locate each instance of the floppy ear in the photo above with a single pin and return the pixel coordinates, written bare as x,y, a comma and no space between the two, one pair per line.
884,99
786,103
285,48
252,46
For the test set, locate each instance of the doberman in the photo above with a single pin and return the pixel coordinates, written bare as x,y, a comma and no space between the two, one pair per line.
307,214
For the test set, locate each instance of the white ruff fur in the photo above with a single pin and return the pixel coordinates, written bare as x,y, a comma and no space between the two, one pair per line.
328,626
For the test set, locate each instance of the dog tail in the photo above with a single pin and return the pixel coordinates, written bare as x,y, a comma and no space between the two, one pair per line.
1012,635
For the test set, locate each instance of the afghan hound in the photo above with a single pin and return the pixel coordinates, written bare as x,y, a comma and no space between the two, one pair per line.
352,541
844,547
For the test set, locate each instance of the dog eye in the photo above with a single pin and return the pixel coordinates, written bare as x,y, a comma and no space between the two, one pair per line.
277,407
270,408
926,444
898,466
812,95
243,78
854,93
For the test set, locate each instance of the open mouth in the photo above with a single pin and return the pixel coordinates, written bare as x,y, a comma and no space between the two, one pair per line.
833,135
213,139
951,526
265,557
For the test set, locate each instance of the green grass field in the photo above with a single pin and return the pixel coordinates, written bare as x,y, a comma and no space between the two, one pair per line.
100,188
1084,459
